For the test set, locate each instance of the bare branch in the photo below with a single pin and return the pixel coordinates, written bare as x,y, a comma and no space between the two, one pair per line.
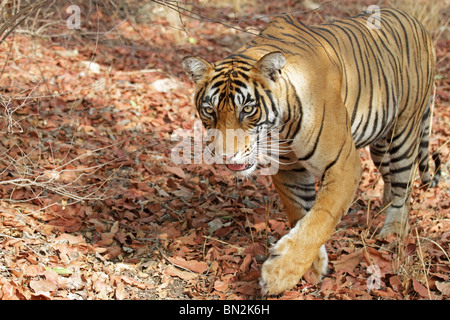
11,24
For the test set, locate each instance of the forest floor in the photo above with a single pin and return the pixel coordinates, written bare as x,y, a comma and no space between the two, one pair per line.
92,206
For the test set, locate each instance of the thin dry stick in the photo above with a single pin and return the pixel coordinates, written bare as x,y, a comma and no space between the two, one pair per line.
21,16
269,205
225,243
439,246
365,249
423,264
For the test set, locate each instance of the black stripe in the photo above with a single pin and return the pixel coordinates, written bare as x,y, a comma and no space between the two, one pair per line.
332,163
295,200
297,111
401,169
401,185
311,153
309,187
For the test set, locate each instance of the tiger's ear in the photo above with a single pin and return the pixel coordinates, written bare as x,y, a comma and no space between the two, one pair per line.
197,67
270,65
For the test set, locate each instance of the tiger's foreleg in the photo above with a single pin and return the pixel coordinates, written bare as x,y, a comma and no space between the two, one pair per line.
298,193
293,254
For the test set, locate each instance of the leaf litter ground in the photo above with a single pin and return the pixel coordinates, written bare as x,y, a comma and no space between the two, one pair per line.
93,207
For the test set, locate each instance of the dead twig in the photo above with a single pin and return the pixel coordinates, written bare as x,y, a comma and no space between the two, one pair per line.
19,17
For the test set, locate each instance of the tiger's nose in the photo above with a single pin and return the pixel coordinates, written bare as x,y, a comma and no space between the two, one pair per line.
231,157
227,157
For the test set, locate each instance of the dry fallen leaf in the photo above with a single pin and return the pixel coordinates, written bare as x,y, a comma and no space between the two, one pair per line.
348,263
10,292
178,171
175,272
220,286
420,289
33,270
43,287
196,266
443,287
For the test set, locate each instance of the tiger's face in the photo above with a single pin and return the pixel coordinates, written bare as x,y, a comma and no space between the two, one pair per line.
235,103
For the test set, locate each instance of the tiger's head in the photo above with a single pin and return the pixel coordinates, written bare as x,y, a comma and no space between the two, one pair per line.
236,102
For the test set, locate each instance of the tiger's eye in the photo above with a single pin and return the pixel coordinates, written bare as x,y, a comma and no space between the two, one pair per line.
209,110
247,109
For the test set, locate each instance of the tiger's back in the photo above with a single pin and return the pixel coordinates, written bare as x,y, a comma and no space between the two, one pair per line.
384,72
389,77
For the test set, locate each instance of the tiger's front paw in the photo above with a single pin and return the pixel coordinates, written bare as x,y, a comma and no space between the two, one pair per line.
285,266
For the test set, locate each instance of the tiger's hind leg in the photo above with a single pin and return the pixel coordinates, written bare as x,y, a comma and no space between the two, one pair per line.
403,153
423,157
423,151
381,158
395,187
408,146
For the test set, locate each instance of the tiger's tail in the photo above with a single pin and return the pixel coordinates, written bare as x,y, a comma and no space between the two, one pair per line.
423,154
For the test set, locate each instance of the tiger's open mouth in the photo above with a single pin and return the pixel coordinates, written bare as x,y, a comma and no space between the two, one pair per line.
239,166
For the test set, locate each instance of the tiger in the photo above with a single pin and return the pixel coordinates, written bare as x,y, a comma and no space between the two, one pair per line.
329,89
